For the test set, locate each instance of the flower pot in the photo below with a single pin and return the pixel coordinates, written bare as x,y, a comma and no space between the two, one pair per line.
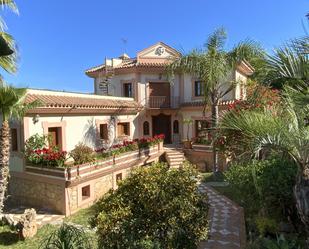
187,144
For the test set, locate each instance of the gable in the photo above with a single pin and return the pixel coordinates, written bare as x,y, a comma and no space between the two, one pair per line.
158,51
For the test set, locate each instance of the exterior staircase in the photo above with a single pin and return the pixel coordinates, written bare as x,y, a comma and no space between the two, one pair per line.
174,157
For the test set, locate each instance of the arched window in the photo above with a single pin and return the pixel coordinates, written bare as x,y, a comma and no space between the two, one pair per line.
146,128
176,127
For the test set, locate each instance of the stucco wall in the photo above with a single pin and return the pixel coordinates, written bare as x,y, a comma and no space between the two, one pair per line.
79,128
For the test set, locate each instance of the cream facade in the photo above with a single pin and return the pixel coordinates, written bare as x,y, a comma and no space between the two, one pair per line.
166,102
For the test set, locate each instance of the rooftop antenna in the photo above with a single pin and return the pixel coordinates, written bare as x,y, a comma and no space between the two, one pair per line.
124,42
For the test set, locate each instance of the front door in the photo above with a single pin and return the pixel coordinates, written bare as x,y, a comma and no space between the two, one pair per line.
161,124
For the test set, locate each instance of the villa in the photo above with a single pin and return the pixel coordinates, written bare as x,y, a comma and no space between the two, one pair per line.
132,99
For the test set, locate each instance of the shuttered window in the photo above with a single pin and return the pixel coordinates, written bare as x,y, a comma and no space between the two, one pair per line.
103,131
123,129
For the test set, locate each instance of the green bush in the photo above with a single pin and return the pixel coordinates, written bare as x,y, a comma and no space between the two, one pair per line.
36,142
82,154
266,226
264,185
68,237
155,207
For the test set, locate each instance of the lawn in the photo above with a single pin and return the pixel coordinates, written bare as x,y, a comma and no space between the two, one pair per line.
81,217
9,238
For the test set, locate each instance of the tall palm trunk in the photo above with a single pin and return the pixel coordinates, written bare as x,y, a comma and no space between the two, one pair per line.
301,193
4,161
215,118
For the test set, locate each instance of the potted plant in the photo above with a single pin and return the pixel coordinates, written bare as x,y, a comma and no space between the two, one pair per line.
187,144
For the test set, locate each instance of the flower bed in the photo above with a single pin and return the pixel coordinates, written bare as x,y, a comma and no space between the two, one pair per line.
53,158
127,146
74,172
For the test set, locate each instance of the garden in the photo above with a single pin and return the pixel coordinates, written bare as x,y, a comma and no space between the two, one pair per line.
39,153
155,207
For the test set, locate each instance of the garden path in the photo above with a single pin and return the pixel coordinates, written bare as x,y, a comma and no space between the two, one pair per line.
227,224
43,216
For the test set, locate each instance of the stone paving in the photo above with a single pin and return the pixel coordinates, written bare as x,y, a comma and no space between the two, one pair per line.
227,225
43,216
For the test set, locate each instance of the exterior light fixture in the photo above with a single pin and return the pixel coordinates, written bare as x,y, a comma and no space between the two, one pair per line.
36,118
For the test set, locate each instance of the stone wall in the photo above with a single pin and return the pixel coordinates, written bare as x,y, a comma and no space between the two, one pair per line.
37,192
204,160
53,189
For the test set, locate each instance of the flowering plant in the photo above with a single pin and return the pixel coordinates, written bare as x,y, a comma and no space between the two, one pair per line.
47,156
126,146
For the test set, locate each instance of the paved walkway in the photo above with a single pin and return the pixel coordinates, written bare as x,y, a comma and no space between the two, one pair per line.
227,225
43,216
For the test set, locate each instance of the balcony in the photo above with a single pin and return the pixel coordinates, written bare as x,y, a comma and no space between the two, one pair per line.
159,102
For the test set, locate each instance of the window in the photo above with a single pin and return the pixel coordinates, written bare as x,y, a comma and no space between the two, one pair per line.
118,177
55,137
85,192
14,140
146,128
123,129
103,86
176,127
202,128
103,131
198,88
127,90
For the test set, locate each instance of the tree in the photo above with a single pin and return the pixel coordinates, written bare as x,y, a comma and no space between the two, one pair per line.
12,105
283,129
212,65
155,207
8,62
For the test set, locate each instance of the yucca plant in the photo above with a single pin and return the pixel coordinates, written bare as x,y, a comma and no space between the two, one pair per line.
68,237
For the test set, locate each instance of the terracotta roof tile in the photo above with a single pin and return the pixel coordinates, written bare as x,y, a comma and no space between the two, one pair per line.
129,63
80,101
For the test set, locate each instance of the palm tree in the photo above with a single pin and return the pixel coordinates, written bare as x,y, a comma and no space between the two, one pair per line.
212,65
8,62
283,129
12,106
288,65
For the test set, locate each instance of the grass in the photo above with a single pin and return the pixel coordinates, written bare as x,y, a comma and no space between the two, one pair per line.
211,177
10,238
81,217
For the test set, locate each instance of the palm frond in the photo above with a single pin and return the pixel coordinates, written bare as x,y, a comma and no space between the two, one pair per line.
9,63
12,102
9,4
248,50
216,40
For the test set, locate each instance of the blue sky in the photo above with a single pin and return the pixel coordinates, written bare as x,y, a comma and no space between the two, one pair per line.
59,39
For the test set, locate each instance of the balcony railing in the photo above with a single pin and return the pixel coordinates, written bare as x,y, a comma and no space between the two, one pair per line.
156,102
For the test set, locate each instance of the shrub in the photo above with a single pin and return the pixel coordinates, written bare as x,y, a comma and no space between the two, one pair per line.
36,142
268,183
82,154
153,208
266,226
67,237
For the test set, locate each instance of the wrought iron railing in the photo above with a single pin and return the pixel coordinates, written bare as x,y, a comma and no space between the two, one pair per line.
157,102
